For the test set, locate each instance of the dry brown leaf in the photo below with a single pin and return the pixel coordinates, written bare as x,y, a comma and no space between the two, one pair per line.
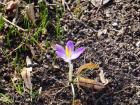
86,80
96,86
30,12
26,75
89,83
86,66
102,77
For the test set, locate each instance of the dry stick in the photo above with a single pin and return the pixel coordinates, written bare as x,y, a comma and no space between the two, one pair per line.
16,49
13,24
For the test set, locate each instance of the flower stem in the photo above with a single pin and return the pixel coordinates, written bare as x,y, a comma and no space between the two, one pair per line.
70,81
70,71
73,93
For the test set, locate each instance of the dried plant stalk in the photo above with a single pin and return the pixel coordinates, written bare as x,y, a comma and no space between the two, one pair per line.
89,83
27,77
86,66
86,80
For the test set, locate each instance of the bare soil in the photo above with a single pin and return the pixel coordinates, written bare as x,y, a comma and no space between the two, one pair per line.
110,34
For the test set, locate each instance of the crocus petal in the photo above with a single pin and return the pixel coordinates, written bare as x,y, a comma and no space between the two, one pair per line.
70,46
61,55
59,48
60,51
77,53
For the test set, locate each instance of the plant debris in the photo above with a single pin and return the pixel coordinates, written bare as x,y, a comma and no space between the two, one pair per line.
26,74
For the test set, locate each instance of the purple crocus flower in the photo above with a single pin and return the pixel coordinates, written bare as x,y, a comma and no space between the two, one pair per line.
68,53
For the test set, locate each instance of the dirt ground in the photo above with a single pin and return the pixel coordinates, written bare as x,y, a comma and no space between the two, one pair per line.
111,35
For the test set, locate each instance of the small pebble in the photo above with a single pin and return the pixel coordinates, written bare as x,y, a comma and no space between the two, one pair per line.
138,44
114,24
46,66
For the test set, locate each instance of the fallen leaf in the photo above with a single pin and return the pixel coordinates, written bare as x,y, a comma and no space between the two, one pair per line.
86,66
89,83
26,75
30,12
86,80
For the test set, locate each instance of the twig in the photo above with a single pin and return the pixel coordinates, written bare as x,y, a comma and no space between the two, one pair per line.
59,90
6,20
16,49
